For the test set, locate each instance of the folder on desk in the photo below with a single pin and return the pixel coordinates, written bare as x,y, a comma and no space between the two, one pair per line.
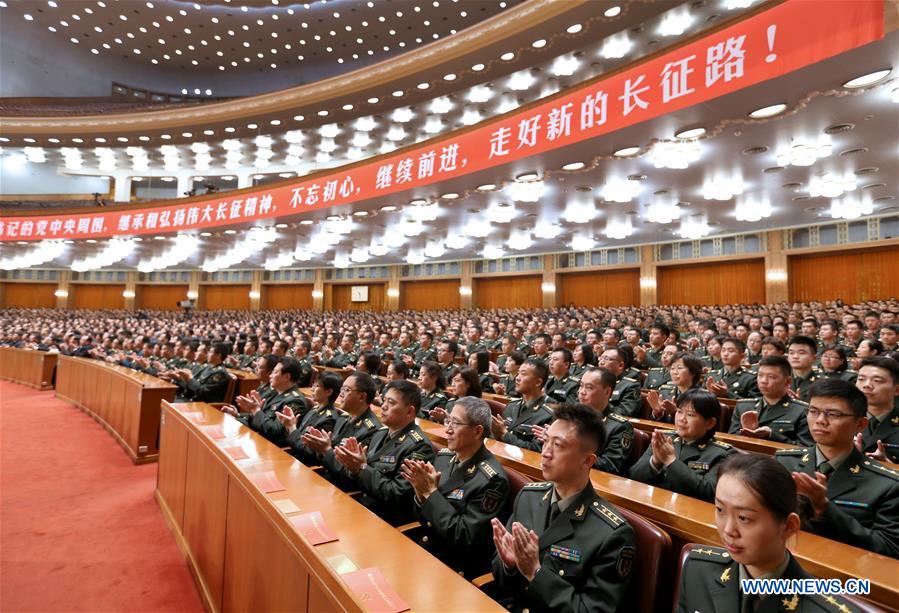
268,482
313,528
215,432
236,453
372,589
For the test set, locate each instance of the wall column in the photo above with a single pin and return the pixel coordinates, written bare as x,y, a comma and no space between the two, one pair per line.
130,289
466,287
318,290
393,288
122,188
185,184
776,269
548,286
255,290
244,180
193,286
62,290
649,288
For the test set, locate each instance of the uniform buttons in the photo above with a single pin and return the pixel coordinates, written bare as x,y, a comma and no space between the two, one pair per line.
429,524
424,539
561,573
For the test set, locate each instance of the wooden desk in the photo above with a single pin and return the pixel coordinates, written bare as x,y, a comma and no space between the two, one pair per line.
496,397
746,443
28,367
244,552
125,402
692,520
246,382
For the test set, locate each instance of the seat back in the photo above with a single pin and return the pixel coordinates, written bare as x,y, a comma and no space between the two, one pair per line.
727,413
496,407
645,407
231,390
653,552
516,482
638,446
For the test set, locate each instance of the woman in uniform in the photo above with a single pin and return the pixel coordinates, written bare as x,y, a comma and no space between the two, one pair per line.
686,460
581,359
506,385
465,383
480,362
686,373
835,365
430,380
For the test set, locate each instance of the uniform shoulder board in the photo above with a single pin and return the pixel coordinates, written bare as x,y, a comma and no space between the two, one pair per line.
800,402
487,469
415,435
667,385
796,451
631,379
440,395
880,469
745,401
295,393
608,515
617,417
720,444
537,485
369,423
850,371
711,554
328,413
656,368
446,451
381,428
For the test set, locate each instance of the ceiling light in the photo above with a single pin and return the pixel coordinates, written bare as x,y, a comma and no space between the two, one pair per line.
520,239
803,153
722,188
582,242
618,229
564,65
579,212
612,11
492,252
525,191
477,68
378,249
546,230
768,111
479,93
415,257
487,187
616,47
471,116
694,227
528,176
521,80
573,166
501,213
449,77
831,185
574,29
539,44
435,249
852,206
675,23
617,189
753,210
868,79
674,154
662,210
691,133
402,115
626,152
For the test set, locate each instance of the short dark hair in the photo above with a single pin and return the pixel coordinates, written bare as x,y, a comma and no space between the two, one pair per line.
626,354
874,345
483,358
223,350
400,368
470,376
434,369
566,354
606,376
410,392
808,341
290,367
545,337
739,344
540,368
777,361
691,363
365,383
774,342
518,357
332,382
271,360
661,327
769,481
451,346
589,355
372,362
587,422
703,402
837,388
840,352
888,364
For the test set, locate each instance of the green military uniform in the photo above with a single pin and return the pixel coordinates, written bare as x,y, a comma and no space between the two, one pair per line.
449,371
247,362
486,381
520,416
543,358
849,349
456,518
634,373
753,358
322,419
863,499
509,382
474,347
361,428
625,398
848,375
562,390
343,358
209,384
653,358
431,400
741,383
885,429
710,581
615,458
711,363
586,555
802,384
694,472
656,378
786,418
424,355
384,490
577,370
306,371
266,423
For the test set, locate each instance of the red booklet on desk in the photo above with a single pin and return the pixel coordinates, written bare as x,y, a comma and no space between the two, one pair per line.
313,528
372,589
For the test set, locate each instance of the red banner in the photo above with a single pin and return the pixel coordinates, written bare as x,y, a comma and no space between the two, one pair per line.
785,38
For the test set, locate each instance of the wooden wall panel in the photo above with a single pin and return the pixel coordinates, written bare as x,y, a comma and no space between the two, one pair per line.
287,297
853,276
96,296
600,288
29,295
429,295
740,282
224,297
509,292
160,297
337,297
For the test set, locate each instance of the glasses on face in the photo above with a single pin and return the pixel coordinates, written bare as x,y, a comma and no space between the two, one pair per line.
346,390
827,414
453,423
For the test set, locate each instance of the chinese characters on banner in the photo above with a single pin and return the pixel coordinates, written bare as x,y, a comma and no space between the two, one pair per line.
787,37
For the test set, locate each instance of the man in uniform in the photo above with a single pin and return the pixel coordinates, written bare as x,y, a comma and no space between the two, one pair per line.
565,548
210,383
625,399
375,469
423,353
356,421
652,357
457,496
775,416
541,345
878,380
446,356
855,499
802,353
560,387
595,390
732,380
344,355
520,415
659,375
474,343
301,351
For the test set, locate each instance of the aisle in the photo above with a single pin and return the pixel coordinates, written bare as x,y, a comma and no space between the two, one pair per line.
79,528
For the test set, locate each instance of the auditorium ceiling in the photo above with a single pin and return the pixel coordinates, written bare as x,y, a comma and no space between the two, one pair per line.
819,150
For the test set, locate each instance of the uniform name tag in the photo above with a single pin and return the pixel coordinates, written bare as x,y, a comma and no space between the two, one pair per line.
782,421
615,394
852,503
456,494
698,465
565,553
390,459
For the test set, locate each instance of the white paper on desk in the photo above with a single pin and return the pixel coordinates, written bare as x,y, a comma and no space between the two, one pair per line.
513,451
341,564
287,506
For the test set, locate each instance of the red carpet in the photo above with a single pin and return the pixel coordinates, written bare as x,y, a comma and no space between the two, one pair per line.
79,526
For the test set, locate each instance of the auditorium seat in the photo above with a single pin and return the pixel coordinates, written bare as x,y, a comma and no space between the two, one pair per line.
639,445
727,412
496,407
652,564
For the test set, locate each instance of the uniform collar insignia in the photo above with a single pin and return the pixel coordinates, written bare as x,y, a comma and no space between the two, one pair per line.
805,458
855,469
725,576
895,420
790,604
546,495
471,469
580,511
